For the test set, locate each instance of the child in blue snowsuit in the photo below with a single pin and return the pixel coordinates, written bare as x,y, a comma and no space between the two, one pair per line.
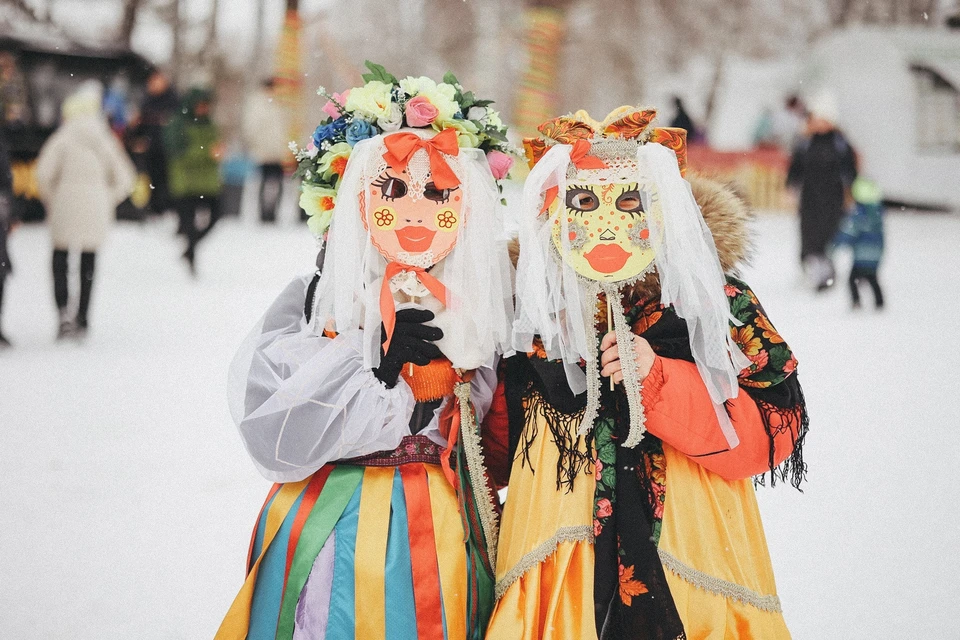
862,229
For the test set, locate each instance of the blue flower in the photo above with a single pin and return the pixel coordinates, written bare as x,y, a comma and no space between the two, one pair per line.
328,131
359,130
458,115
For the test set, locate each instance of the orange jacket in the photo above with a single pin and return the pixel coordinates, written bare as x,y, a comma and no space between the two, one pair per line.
680,412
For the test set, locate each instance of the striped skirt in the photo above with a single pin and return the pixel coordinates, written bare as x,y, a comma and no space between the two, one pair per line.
357,551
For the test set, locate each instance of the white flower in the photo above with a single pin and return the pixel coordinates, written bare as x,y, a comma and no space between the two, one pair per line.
312,153
477,113
393,121
292,145
493,119
321,90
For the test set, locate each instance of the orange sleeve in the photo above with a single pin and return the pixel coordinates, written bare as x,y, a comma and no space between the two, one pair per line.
494,437
679,412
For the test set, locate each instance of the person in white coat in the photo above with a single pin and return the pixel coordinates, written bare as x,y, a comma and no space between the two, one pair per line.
83,173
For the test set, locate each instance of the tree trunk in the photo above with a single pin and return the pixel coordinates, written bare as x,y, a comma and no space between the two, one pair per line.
177,55
129,21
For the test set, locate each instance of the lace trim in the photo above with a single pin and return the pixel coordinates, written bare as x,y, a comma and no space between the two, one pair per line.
720,587
593,368
578,533
478,471
628,361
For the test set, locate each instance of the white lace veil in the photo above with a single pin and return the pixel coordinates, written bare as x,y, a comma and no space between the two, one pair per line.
476,273
554,303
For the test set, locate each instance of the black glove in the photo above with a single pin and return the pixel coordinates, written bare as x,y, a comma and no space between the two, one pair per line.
412,342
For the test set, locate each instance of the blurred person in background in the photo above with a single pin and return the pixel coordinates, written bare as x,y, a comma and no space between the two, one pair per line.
6,222
115,104
13,92
83,173
193,149
862,230
789,123
682,119
822,169
266,132
156,110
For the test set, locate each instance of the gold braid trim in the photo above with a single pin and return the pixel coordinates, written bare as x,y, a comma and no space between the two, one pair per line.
478,471
720,587
578,533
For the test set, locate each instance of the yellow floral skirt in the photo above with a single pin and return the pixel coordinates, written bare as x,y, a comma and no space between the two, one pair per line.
711,544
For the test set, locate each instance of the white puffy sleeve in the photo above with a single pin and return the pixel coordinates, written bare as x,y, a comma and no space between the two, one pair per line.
301,400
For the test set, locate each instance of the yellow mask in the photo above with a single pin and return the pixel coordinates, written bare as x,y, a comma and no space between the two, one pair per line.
606,225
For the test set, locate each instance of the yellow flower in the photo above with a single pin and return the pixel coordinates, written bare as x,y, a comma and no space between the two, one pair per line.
334,161
466,131
371,101
442,96
749,345
318,202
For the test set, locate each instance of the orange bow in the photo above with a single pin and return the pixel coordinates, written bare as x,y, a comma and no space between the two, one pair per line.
581,159
402,146
388,308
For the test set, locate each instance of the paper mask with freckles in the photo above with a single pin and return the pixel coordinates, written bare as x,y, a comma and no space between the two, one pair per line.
607,229
410,227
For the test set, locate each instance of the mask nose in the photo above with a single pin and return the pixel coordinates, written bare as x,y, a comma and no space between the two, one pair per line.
608,236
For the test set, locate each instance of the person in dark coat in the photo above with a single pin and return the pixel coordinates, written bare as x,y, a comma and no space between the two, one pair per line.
682,119
158,107
193,146
6,222
822,169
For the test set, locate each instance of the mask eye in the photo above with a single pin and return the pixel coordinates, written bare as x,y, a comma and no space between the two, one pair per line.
430,192
391,188
629,202
582,199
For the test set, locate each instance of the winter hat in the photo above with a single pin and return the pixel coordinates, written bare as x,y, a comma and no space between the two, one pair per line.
824,105
87,100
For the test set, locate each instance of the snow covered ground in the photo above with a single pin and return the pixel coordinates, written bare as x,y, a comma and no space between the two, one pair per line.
127,498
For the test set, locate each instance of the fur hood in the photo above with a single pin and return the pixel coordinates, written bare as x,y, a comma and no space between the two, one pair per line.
727,215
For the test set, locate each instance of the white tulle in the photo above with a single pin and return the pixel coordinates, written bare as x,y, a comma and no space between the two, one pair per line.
692,280
301,400
477,272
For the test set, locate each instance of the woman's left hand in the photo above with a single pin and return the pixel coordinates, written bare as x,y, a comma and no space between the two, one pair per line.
610,357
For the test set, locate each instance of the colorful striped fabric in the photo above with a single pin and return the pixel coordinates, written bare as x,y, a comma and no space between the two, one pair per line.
356,552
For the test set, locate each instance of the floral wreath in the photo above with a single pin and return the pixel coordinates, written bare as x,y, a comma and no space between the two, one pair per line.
385,105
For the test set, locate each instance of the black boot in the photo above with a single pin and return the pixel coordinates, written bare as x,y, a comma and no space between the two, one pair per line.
87,262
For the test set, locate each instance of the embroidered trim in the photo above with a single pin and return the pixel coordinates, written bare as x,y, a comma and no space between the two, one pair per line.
478,471
578,533
411,449
720,587
628,360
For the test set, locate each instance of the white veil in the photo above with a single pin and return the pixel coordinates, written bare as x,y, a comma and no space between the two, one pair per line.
476,273
554,303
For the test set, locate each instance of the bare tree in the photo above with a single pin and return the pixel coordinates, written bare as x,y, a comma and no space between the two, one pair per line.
129,21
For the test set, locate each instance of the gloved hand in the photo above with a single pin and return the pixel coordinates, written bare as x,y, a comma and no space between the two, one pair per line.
412,342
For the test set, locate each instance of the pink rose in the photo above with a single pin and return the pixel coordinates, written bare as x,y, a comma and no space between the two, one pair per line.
500,164
331,109
598,469
604,508
597,528
420,112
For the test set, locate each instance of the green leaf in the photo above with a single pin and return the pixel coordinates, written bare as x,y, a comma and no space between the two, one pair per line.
495,133
377,72
779,355
449,78
738,306
467,100
482,103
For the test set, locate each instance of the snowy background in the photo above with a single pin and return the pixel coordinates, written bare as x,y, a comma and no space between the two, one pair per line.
128,499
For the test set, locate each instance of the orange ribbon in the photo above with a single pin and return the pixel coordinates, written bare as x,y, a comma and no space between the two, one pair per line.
388,307
581,159
402,146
